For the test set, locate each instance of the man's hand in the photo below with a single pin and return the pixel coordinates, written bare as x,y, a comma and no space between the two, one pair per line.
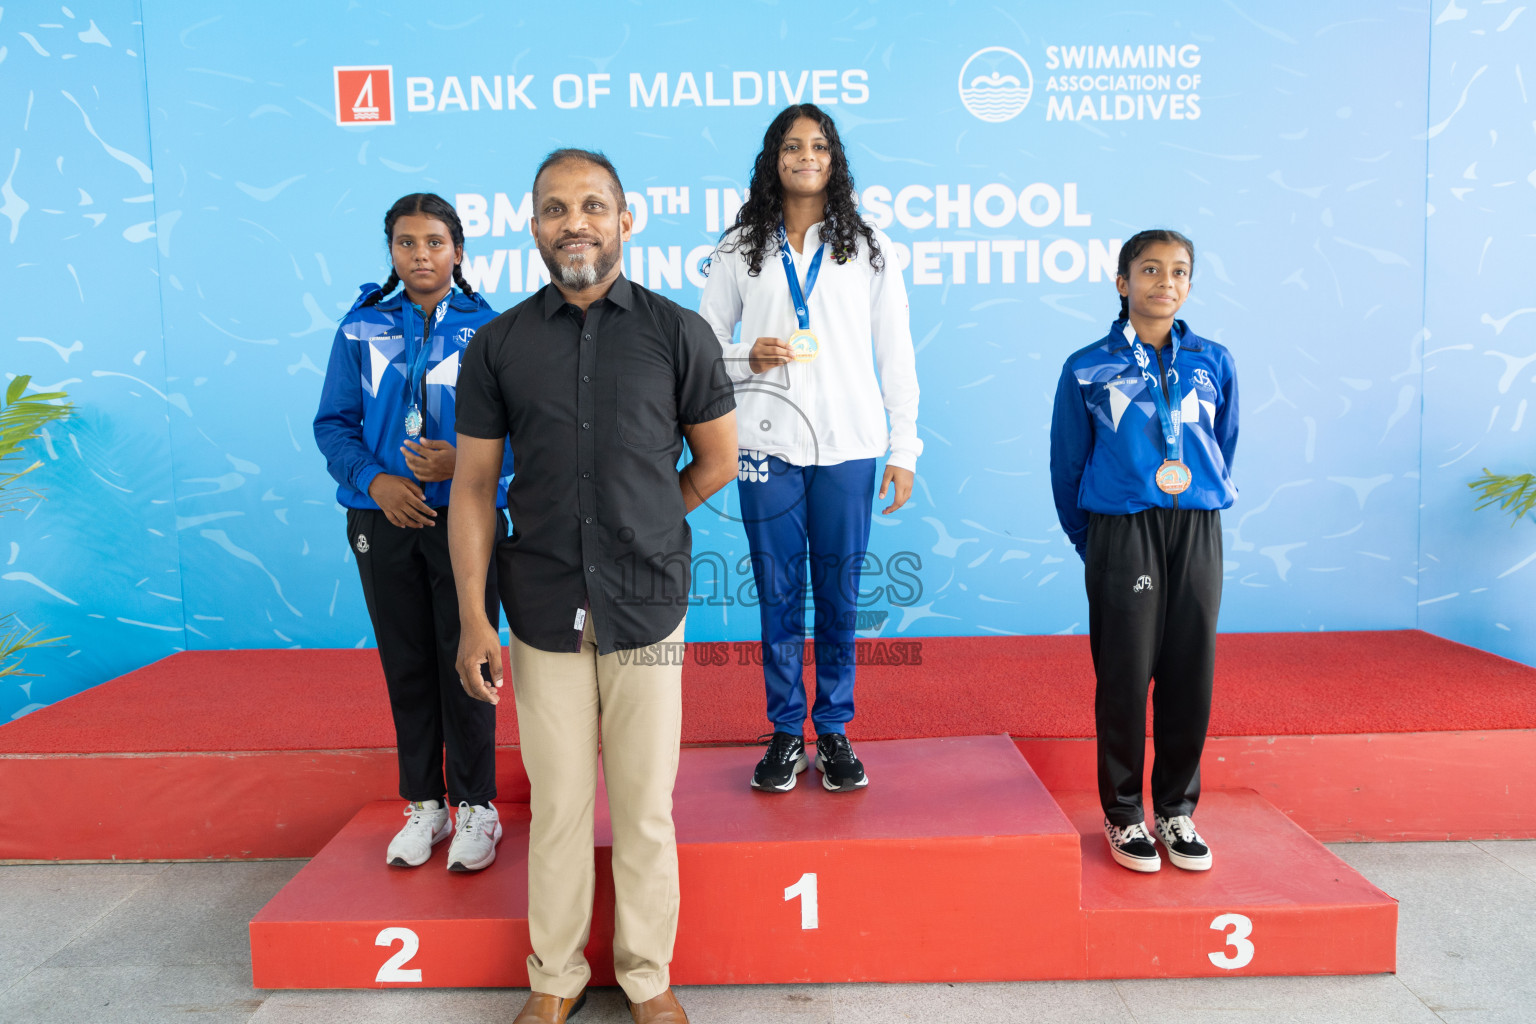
769,352
430,461
479,648
401,501
902,479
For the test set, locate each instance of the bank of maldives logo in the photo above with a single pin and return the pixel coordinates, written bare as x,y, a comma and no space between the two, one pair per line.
995,84
364,95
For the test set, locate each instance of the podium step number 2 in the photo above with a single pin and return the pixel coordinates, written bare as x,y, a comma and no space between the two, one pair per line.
394,968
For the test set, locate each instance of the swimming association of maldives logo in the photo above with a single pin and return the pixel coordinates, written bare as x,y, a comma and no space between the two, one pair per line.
995,84
364,95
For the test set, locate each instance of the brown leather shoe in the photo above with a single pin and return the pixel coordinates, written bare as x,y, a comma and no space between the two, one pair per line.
543,1008
664,1009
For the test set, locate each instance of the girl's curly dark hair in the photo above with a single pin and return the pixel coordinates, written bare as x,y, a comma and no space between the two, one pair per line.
760,216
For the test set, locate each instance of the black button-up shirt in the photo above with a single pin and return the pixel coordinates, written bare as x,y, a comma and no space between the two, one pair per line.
594,407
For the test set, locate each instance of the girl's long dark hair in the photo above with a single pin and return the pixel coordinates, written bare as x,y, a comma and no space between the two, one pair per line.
1134,247
760,216
427,204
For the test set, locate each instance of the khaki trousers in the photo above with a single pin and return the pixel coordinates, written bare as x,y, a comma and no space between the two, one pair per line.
637,695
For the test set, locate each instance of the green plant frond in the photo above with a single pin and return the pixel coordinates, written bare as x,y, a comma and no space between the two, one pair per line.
17,641
22,418
1515,495
6,481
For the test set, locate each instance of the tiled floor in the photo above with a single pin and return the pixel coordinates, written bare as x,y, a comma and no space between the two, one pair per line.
131,943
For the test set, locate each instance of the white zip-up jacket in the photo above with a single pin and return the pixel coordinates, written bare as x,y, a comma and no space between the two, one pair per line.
832,409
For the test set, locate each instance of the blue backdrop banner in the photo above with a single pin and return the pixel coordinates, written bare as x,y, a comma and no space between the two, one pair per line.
192,194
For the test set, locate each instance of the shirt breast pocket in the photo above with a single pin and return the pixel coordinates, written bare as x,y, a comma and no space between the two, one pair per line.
647,413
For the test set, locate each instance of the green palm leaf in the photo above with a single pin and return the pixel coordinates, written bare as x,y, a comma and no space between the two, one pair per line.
1513,494
21,418
14,641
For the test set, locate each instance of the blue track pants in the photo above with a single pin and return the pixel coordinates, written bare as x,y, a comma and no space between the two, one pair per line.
807,523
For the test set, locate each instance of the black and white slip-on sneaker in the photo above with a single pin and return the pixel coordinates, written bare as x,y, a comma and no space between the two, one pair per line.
785,759
841,771
1131,846
1185,847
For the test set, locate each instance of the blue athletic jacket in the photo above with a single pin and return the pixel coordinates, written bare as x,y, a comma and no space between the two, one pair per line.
1106,441
360,426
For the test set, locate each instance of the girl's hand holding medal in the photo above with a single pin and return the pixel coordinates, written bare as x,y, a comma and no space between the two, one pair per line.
768,353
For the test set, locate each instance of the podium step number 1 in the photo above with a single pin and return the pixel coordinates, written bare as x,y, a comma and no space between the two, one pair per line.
806,890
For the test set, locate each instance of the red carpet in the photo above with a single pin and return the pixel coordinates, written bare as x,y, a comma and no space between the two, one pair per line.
1266,684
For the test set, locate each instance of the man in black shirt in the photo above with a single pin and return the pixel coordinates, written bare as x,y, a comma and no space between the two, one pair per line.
597,381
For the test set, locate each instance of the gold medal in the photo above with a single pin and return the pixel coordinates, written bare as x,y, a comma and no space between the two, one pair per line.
1173,477
804,346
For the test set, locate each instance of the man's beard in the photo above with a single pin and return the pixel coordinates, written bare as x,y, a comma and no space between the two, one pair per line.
579,273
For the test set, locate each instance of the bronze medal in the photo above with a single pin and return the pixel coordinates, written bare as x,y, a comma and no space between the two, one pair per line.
1173,477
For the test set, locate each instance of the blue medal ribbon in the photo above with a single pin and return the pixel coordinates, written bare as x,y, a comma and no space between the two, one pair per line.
801,299
1169,406
417,369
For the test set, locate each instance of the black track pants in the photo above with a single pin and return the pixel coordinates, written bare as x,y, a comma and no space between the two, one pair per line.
408,584
1154,587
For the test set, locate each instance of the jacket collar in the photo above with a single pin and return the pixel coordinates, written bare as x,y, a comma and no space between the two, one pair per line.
1183,337
457,300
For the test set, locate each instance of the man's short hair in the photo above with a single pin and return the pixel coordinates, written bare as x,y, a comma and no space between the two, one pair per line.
589,156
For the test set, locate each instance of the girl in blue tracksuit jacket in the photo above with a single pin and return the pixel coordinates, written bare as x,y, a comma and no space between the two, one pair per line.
1142,439
386,428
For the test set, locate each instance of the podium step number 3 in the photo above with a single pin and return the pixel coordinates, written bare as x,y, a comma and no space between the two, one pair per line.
1241,953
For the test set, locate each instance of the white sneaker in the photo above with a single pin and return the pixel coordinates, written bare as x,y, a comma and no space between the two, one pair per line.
427,826
1185,847
475,838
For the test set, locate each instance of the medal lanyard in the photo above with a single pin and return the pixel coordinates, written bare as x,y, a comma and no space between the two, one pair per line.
802,300
418,365
1169,406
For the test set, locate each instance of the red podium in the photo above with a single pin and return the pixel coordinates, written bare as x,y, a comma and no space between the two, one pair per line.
956,864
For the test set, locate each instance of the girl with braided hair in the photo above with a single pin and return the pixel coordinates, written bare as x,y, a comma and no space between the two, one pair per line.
385,426
825,358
